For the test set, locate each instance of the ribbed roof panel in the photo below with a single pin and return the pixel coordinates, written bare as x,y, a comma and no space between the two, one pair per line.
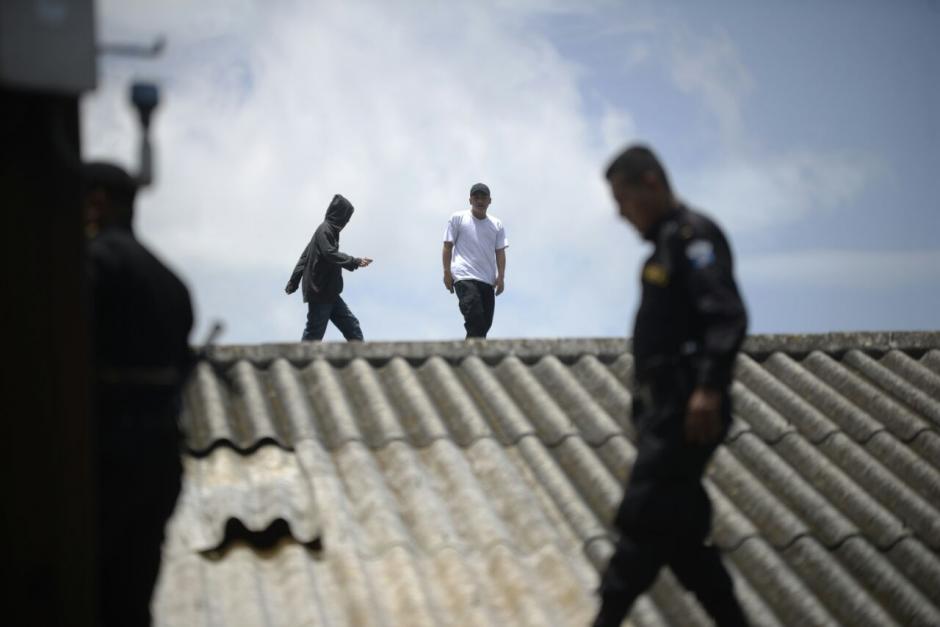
474,483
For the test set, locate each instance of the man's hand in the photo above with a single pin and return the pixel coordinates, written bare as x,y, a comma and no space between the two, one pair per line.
448,281
703,416
500,286
290,289
364,261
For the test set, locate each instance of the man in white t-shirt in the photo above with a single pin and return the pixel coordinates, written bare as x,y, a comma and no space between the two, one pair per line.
475,261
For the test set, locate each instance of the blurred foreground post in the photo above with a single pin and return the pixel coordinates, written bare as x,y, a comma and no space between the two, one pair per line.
47,59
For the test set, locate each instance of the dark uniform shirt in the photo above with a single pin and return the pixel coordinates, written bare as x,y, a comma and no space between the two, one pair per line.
689,326
140,324
690,309
141,314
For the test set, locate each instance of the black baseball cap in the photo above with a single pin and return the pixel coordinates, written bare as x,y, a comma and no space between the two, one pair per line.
479,188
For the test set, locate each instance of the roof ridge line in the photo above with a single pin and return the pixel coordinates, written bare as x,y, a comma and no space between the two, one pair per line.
764,343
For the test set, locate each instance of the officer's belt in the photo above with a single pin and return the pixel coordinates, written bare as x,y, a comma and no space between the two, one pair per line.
664,377
663,364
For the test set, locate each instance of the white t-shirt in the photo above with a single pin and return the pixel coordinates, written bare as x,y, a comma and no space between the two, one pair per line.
475,245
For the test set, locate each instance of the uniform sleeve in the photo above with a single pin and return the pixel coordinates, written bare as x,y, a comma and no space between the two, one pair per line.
450,231
501,240
718,307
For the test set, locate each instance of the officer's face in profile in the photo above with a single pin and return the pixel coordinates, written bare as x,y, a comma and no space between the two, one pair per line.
640,203
631,200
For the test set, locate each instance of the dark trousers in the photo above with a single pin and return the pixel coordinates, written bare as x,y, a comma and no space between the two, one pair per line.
477,302
665,514
139,474
318,314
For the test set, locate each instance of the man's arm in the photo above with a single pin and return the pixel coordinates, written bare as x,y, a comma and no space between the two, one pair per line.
500,270
330,253
294,280
446,256
717,302
718,306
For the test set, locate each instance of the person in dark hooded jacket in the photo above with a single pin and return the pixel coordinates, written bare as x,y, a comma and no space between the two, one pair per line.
321,267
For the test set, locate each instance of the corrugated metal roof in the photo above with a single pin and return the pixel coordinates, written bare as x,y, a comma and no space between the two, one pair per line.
472,483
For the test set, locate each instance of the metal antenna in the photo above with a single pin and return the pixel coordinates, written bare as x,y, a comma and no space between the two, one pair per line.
145,97
124,49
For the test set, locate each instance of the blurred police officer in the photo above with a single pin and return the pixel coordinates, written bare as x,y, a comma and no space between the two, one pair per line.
141,317
689,327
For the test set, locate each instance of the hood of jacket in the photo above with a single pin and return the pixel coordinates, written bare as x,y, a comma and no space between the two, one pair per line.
339,212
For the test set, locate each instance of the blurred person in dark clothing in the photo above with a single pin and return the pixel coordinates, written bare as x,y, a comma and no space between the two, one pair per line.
689,326
321,267
141,317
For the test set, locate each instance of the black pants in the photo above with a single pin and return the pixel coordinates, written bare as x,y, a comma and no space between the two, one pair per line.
665,514
477,302
139,474
337,312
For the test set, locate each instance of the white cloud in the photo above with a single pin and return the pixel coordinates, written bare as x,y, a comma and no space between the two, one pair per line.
762,192
618,128
271,108
710,68
748,184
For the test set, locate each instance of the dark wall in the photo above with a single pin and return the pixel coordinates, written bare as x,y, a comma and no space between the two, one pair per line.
47,487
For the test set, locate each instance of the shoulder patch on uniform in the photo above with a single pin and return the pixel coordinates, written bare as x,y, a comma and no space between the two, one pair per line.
701,253
656,274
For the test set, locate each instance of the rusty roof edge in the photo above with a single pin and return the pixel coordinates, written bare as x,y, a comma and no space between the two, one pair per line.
565,348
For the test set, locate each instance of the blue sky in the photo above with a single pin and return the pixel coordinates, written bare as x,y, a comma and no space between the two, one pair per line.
809,130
